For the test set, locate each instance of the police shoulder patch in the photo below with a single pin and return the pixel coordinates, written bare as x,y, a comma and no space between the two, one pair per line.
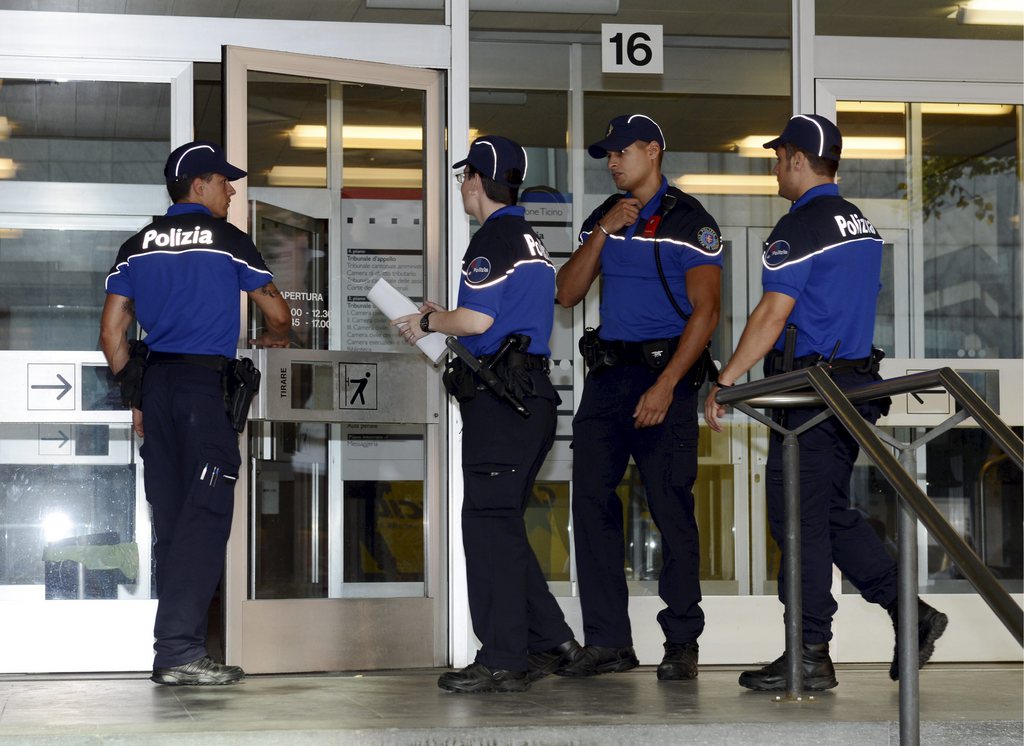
478,270
708,238
776,253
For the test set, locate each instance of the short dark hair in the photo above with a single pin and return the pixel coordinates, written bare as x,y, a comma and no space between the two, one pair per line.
819,165
506,195
178,190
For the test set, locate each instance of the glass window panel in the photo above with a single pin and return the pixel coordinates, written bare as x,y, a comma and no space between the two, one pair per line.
931,19
972,238
52,287
70,529
547,527
763,19
874,164
290,506
287,131
84,131
384,527
978,490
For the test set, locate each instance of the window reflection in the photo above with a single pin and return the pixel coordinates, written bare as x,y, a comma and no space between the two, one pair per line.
51,287
69,529
972,241
85,130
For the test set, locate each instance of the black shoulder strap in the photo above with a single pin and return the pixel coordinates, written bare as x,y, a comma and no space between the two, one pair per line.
667,203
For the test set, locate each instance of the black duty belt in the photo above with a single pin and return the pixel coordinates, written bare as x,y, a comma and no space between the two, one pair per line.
513,359
808,361
213,362
632,353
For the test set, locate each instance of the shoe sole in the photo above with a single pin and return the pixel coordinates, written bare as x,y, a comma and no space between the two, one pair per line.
616,666
668,676
191,681
819,684
926,648
484,688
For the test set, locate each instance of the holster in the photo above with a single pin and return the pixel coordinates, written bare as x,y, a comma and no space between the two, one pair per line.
704,369
459,380
596,355
241,380
131,375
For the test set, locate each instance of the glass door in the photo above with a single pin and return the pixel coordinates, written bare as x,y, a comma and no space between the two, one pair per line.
339,563
944,168
83,159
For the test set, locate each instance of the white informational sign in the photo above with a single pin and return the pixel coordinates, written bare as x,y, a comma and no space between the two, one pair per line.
632,48
380,238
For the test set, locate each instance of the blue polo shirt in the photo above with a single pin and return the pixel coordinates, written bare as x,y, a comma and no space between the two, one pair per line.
634,305
507,274
184,271
828,257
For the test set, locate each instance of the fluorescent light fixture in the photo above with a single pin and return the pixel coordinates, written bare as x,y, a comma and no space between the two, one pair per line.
308,136
727,184
298,176
590,7
390,178
8,168
853,147
990,12
897,107
316,176
5,128
358,136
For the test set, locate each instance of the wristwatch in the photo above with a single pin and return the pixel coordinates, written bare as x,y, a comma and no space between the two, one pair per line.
425,322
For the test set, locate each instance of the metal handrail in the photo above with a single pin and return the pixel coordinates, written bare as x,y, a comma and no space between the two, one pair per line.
813,387
783,391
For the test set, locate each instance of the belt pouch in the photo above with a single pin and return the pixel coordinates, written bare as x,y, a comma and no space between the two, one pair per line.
241,380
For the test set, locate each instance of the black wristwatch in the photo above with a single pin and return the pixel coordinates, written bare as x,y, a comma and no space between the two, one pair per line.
425,322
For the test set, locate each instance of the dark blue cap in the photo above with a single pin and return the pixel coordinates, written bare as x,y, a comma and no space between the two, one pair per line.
813,133
196,159
624,131
501,159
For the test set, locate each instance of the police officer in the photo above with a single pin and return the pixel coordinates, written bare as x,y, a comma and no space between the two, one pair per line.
180,276
659,253
821,276
504,317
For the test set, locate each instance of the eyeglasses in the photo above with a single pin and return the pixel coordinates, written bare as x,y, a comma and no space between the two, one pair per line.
461,177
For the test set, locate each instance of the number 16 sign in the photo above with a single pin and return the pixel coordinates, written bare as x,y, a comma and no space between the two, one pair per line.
631,49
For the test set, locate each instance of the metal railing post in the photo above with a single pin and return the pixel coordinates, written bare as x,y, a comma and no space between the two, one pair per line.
792,575
906,612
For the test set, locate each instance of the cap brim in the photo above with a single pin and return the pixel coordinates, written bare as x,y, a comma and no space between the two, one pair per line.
460,164
231,173
615,144
772,144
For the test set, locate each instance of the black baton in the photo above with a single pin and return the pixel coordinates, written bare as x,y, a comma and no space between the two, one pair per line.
490,380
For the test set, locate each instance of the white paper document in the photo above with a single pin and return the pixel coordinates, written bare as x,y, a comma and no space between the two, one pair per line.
393,304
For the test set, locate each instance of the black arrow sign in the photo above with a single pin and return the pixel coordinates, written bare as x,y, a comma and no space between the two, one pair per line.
62,385
63,438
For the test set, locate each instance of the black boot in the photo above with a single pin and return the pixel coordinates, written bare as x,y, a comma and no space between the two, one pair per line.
476,677
931,623
553,660
680,661
596,660
819,673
